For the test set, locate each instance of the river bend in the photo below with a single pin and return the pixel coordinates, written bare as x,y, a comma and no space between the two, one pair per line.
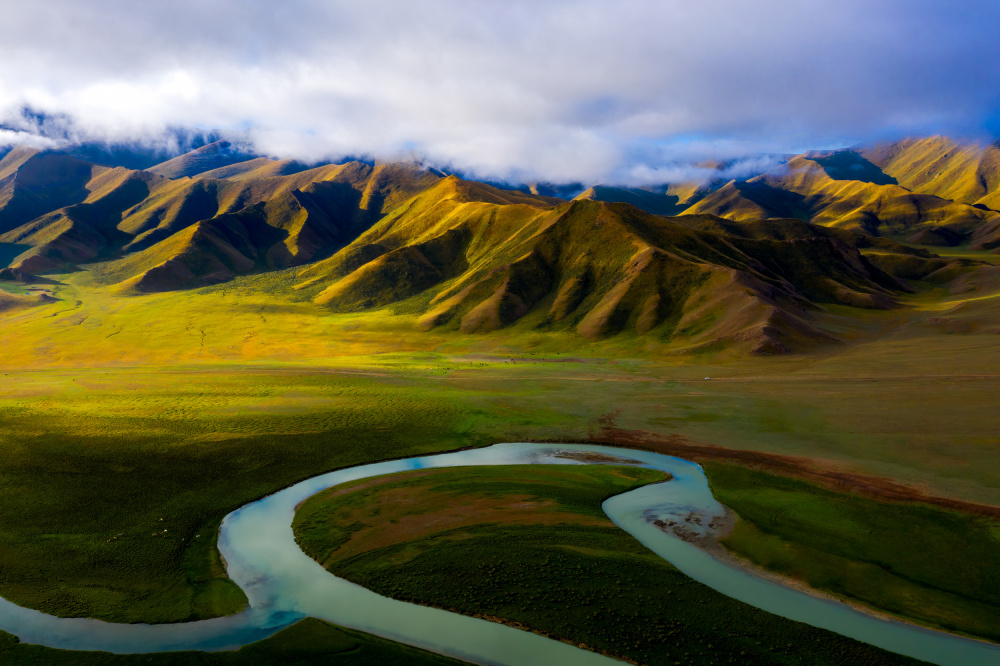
284,585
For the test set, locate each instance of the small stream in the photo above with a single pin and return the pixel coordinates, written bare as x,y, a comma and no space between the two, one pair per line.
284,585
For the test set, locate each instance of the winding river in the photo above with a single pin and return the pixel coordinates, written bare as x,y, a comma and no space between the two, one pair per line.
284,585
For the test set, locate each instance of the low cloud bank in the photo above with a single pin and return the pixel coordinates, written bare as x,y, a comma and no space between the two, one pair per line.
738,169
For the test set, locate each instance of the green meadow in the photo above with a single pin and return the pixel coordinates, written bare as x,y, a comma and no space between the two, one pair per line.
95,458
921,563
114,491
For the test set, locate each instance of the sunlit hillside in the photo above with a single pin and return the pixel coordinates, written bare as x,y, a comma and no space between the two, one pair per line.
800,259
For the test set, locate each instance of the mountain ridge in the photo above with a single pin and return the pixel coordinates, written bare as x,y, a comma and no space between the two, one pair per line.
749,264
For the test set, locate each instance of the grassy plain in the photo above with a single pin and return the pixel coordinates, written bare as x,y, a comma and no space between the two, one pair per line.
114,483
546,558
309,641
89,455
119,411
901,397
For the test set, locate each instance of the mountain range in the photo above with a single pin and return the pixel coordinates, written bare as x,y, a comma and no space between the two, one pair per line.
932,191
745,264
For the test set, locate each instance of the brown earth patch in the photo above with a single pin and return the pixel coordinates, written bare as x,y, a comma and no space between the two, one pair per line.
350,487
878,488
591,457
400,515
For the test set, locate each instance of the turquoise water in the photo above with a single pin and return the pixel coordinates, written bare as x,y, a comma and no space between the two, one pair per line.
284,585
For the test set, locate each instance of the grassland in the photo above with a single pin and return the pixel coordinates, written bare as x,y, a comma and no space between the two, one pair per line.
89,455
116,412
922,563
546,558
900,397
115,483
309,641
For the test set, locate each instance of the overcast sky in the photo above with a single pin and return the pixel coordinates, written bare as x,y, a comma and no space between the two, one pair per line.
546,89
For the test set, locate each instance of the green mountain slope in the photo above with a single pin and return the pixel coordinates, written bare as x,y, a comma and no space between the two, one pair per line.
466,257
179,203
121,212
82,231
33,183
846,190
204,234
964,172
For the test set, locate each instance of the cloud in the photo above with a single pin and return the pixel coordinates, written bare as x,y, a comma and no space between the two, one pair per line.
559,90
20,138
701,174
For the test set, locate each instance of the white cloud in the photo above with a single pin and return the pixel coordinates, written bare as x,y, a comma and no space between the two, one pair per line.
555,90
702,174
19,138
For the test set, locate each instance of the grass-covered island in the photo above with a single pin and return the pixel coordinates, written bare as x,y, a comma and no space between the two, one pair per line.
530,546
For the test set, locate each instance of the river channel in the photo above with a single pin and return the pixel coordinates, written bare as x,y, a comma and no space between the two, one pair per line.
284,585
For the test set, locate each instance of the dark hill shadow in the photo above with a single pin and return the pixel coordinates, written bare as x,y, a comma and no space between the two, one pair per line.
657,203
849,165
10,250
776,201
